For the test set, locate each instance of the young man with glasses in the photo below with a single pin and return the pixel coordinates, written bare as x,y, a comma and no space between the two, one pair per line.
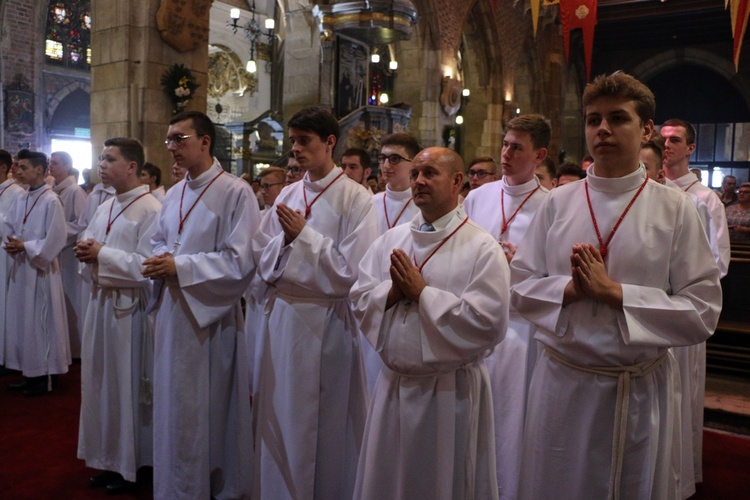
482,170
394,207
505,209
293,171
272,181
201,265
307,249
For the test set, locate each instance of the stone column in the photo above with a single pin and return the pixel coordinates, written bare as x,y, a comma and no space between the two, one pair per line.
129,57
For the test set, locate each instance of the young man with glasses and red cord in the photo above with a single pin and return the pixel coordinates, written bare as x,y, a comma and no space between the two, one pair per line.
201,266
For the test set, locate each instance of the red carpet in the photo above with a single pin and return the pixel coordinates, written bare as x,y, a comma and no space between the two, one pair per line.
38,445
38,442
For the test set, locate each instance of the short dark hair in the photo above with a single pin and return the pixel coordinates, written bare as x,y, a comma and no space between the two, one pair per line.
318,120
587,158
5,159
364,157
153,171
36,158
403,139
537,126
689,129
549,164
130,149
201,123
620,84
653,146
570,168
484,159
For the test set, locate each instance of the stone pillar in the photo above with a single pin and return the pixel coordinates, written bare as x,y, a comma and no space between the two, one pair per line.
129,57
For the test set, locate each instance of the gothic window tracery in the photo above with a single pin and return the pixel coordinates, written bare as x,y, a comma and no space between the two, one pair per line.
68,34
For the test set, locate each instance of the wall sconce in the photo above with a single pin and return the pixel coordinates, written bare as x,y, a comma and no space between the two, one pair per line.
393,65
459,120
466,92
375,58
252,32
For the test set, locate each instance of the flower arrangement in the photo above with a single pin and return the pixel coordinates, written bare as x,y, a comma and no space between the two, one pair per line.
179,85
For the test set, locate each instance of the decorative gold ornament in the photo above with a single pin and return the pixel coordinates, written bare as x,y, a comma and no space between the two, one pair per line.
226,74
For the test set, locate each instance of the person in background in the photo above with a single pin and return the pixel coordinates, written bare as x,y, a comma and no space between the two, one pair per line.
586,162
178,173
151,177
728,191
482,170
272,180
738,216
293,171
569,172
73,199
546,172
355,163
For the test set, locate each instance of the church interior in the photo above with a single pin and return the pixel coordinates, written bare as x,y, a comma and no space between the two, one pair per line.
451,72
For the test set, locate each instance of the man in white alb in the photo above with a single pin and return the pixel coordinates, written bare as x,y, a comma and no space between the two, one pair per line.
36,326
679,144
355,163
310,398
505,209
432,298
394,206
115,432
202,440
10,190
613,271
73,199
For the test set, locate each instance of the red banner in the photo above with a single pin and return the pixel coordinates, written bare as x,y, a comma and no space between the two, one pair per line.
579,14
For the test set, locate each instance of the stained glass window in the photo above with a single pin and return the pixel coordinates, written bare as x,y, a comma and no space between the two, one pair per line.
68,40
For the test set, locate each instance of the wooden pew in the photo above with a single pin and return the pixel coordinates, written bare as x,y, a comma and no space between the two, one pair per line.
728,350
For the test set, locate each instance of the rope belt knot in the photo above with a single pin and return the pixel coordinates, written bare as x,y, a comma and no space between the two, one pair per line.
623,374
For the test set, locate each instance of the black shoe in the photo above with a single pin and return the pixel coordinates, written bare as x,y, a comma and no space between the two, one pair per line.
7,371
37,386
120,486
20,385
104,478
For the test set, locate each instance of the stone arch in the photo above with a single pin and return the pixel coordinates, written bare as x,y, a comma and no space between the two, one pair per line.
54,100
699,57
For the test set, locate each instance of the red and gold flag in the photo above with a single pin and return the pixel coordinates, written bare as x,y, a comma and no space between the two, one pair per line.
579,14
739,10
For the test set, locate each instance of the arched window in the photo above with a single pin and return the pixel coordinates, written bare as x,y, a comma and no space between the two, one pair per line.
68,40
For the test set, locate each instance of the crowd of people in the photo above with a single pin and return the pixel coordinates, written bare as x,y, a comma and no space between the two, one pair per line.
542,336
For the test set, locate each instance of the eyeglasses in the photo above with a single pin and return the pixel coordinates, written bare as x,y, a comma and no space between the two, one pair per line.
480,174
295,171
743,192
268,186
393,159
177,140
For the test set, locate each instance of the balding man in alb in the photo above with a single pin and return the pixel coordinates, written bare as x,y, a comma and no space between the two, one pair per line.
432,298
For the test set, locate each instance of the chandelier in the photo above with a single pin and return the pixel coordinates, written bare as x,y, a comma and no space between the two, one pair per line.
252,31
